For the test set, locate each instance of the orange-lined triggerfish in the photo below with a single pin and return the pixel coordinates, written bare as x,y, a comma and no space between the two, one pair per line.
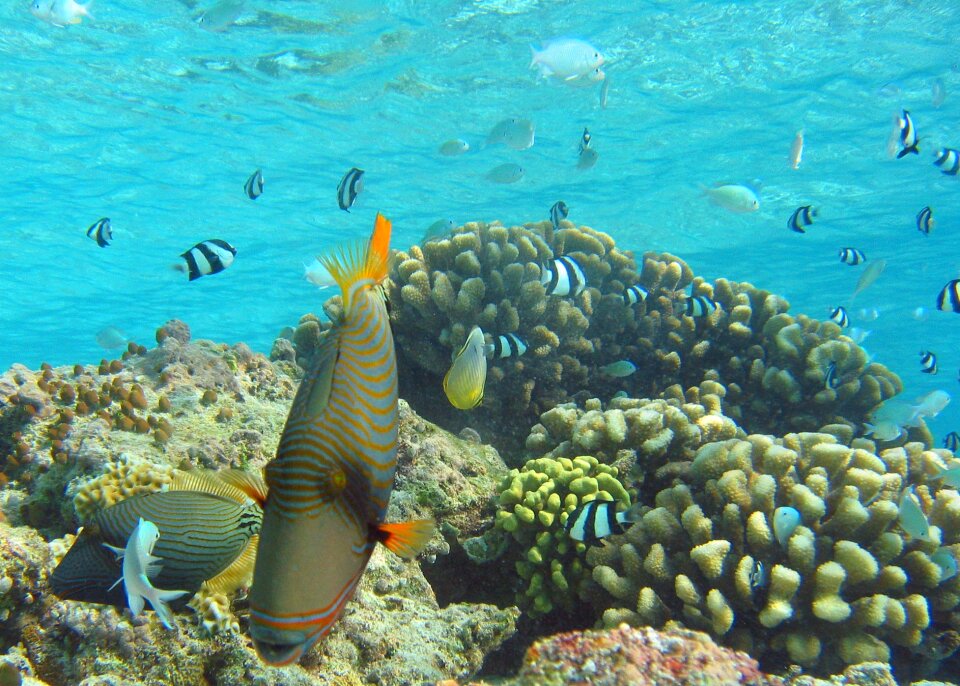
331,479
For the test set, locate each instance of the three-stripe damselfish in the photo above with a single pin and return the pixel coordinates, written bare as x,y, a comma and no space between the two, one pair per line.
331,480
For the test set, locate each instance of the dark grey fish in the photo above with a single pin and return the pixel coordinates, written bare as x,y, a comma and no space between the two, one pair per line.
101,232
254,185
349,188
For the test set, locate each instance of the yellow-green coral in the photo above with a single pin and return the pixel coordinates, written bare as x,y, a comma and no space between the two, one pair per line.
848,585
121,479
534,504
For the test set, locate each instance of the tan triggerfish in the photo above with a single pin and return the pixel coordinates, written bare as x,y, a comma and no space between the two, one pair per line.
331,480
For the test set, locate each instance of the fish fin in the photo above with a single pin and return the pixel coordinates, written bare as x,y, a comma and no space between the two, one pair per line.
211,483
251,483
119,552
406,539
488,349
321,376
238,574
357,262
633,513
534,57
114,584
135,602
152,569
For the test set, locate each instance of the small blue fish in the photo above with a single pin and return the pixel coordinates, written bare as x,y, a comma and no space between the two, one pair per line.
951,441
785,522
851,256
912,519
928,362
618,369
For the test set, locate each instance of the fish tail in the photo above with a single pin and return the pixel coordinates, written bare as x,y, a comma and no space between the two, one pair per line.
407,539
358,262
534,57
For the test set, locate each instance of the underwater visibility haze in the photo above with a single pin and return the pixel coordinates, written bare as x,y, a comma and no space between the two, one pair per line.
690,267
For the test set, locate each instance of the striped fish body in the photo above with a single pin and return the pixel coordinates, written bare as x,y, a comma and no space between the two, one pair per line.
208,257
700,306
101,232
925,221
951,441
254,185
851,256
200,536
596,520
349,188
928,362
563,277
331,480
801,218
558,211
506,345
839,316
948,300
948,160
908,136
635,294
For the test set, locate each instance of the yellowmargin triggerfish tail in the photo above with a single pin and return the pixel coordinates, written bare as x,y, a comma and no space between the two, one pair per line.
331,480
464,381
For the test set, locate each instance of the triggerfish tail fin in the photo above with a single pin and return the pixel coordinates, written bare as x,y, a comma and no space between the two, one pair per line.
356,263
407,539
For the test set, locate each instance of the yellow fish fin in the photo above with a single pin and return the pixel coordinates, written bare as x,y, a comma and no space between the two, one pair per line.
360,261
207,481
406,539
238,574
251,483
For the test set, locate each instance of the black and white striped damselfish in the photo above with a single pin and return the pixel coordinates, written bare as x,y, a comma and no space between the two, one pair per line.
839,316
207,257
700,306
598,519
351,185
558,211
506,345
948,300
948,160
635,294
563,277
801,218
925,221
830,379
928,362
908,136
254,185
852,256
101,232
331,480
951,441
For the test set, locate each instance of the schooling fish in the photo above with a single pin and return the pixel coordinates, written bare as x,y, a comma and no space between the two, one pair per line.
618,369
563,277
60,12
733,197
801,218
254,185
222,15
908,136
928,362
350,186
948,160
587,158
925,221
207,257
839,316
333,474
111,338
464,381
139,564
796,150
598,519
869,276
938,93
830,378
912,518
566,59
852,256
947,563
454,147
951,441
506,173
439,228
515,133
604,92
558,211
948,300
635,294
506,345
101,232
951,476
700,306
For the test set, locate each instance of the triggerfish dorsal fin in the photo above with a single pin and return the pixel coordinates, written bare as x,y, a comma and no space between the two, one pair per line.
251,483
360,262
238,574
406,539
207,481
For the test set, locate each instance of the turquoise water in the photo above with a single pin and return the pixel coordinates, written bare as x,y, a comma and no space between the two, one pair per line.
143,116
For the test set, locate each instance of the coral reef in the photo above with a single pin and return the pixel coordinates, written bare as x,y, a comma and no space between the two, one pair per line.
535,502
849,585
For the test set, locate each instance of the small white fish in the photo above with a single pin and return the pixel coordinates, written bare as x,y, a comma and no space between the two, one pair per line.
884,430
869,276
505,173
60,12
566,59
858,335
868,314
912,518
588,157
454,147
318,275
222,15
796,150
931,404
139,564
604,92
515,133
734,197
438,229
111,338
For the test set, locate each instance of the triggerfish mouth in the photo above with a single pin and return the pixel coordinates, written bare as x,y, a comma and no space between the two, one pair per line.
331,480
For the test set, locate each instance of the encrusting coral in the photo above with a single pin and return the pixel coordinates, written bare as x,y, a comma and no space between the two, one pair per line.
848,586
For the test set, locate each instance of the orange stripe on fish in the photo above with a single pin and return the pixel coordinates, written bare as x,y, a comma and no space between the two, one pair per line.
330,483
